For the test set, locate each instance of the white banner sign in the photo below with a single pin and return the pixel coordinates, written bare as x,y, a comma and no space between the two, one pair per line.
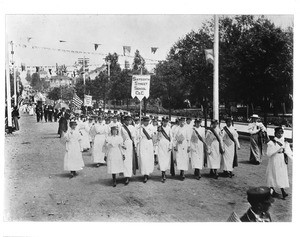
140,86
88,100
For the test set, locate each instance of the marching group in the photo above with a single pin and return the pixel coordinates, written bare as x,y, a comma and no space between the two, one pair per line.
125,145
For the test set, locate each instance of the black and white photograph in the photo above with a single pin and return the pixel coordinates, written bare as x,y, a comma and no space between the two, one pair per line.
148,118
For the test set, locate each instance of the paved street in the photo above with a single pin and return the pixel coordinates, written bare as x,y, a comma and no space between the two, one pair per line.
37,188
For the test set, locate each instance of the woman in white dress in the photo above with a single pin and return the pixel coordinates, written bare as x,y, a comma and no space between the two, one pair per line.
164,147
114,155
198,148
73,157
182,147
231,143
146,149
215,148
98,151
278,151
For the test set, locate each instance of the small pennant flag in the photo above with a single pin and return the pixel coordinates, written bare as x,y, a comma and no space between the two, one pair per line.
209,55
153,50
96,46
28,39
62,41
126,50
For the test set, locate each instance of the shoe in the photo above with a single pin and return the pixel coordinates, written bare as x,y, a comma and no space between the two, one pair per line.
198,177
216,176
145,179
182,177
284,195
276,195
163,180
114,183
98,165
127,181
72,175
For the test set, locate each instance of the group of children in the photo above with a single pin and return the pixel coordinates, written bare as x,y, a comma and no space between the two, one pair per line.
128,146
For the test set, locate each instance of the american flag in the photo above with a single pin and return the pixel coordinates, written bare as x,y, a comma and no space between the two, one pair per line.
76,101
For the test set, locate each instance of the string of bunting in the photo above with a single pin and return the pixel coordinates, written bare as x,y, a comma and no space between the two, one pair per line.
126,50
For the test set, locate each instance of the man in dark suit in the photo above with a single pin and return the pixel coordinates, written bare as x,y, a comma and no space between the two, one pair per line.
260,200
63,121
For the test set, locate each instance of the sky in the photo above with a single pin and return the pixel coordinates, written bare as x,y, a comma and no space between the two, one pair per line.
113,32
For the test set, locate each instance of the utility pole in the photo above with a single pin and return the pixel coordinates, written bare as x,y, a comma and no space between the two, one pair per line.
8,96
108,74
14,73
216,70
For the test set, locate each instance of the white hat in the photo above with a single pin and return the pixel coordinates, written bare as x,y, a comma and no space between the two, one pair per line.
254,116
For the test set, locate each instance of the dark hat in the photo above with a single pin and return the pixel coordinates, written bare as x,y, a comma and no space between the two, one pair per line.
259,194
107,118
146,119
91,118
115,111
228,119
72,122
114,128
188,118
197,120
181,119
165,119
108,111
213,121
127,117
277,129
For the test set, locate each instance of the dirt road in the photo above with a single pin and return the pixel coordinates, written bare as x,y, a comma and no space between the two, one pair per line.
37,188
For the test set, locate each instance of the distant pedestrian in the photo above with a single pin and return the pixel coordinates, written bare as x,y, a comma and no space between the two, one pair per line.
15,117
73,155
114,155
278,152
257,132
50,113
46,113
63,121
100,134
55,115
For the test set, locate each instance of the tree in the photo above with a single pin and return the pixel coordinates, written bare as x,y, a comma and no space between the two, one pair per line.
168,84
64,92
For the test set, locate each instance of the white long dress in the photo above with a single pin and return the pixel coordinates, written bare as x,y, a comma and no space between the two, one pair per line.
128,152
115,163
164,149
214,155
277,174
73,157
197,150
146,152
83,129
181,143
229,148
98,151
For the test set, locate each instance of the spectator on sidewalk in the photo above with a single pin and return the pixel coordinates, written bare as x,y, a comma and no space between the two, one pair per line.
15,117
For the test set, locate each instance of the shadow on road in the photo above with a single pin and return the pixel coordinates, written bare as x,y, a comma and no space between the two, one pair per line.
63,175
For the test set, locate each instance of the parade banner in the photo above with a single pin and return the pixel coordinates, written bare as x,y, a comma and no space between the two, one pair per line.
88,100
140,86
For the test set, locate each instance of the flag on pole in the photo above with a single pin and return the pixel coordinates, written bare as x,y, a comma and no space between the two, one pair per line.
153,50
28,39
76,101
209,55
96,46
126,50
